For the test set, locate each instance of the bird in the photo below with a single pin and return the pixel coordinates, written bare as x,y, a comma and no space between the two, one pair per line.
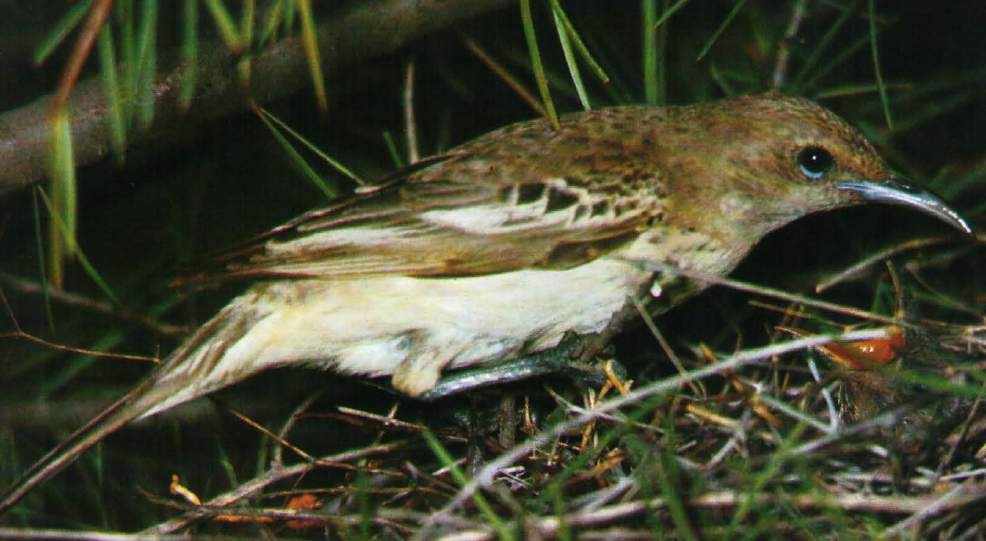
505,245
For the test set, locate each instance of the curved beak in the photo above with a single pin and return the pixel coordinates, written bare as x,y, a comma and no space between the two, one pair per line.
892,192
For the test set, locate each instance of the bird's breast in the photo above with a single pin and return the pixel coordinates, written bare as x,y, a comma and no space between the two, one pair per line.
666,249
687,249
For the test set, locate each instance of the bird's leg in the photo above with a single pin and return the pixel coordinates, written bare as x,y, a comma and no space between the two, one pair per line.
507,420
594,344
567,354
573,353
474,451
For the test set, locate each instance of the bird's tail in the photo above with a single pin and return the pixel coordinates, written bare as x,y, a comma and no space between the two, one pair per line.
189,372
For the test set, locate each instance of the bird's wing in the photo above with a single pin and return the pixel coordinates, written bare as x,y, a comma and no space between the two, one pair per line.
462,215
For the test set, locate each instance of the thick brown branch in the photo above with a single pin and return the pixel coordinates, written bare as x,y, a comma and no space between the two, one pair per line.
370,29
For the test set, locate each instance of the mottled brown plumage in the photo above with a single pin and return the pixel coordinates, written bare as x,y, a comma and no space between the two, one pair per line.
604,178
511,241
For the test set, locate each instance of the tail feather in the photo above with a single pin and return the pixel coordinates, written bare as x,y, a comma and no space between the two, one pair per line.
188,373
117,415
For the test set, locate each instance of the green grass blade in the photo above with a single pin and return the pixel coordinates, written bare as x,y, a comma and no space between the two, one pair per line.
771,469
60,31
248,19
937,383
580,45
839,59
554,493
654,38
669,12
146,63
648,9
670,486
934,109
876,67
395,155
573,68
297,159
63,189
39,243
365,505
494,520
271,23
290,11
223,20
979,375
532,48
722,27
73,247
721,80
310,42
823,44
111,90
856,90
337,165
247,22
189,53
128,57
67,374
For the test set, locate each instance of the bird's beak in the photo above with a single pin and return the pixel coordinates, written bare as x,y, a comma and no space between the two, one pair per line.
893,192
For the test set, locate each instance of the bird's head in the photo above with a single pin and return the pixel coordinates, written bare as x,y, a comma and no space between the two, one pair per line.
773,159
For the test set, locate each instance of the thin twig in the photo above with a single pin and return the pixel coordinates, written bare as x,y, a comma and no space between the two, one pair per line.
410,127
616,418
503,74
780,294
872,259
883,420
784,45
826,395
801,416
80,351
268,478
663,342
385,420
270,434
954,447
80,52
73,299
958,496
278,454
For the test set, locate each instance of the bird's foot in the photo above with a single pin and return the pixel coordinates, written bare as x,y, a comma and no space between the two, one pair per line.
570,356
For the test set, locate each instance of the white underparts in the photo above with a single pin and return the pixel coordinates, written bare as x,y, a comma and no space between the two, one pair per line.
413,327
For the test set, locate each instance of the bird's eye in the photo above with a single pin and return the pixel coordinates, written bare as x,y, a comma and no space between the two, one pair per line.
815,162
